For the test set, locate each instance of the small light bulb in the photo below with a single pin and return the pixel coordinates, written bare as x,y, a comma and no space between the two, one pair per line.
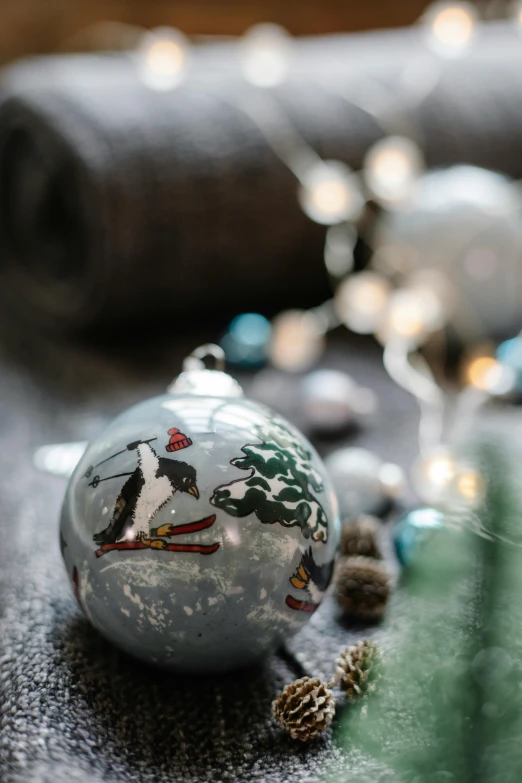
265,55
470,485
412,314
361,300
163,58
483,372
297,340
330,193
433,476
338,250
450,27
391,169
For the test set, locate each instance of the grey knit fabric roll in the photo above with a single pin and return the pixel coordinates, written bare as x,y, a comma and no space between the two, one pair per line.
126,206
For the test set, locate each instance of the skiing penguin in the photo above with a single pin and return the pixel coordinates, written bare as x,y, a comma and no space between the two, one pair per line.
149,487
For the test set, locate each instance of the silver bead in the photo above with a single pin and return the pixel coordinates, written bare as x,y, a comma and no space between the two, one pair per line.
330,400
363,482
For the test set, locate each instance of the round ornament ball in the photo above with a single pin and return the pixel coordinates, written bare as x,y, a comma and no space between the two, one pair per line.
460,229
412,530
199,530
363,482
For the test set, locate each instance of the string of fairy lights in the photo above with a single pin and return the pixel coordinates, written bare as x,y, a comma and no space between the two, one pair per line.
403,308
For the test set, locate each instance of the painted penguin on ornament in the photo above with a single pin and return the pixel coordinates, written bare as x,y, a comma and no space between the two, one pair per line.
148,488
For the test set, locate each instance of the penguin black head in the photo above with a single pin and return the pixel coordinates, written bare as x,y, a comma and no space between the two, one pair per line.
181,475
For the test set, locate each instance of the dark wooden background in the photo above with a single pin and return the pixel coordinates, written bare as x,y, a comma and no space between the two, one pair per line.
40,26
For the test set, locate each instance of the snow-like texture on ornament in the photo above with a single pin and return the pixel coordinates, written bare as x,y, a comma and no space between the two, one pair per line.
200,529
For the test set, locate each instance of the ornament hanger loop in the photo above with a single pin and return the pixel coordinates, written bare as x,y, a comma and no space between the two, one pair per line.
203,356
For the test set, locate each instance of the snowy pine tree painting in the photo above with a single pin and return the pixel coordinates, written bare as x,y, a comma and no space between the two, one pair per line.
279,486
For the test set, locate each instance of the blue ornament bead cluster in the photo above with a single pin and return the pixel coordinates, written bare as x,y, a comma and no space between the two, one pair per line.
412,530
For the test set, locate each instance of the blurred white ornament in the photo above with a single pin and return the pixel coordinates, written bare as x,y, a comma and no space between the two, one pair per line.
411,316
450,27
364,484
464,223
444,480
265,55
361,301
297,340
338,250
162,58
330,400
391,169
330,193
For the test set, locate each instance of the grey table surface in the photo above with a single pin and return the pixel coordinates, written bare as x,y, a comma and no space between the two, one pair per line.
72,707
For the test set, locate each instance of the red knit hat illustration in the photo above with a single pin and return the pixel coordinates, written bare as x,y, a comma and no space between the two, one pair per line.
177,440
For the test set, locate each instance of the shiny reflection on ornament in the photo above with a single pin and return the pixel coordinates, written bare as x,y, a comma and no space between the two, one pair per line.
162,58
338,250
297,340
59,459
361,300
450,27
330,193
265,55
391,168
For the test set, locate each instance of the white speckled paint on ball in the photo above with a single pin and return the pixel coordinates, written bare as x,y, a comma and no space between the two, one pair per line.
247,578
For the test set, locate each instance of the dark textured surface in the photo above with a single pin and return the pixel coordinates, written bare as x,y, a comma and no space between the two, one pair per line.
72,707
116,201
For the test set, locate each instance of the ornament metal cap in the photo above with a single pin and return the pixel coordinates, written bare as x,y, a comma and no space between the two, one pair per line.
197,379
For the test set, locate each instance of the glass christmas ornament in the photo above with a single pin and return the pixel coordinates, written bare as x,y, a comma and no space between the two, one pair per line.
361,301
330,193
246,341
330,400
463,223
199,530
162,58
364,484
265,55
414,529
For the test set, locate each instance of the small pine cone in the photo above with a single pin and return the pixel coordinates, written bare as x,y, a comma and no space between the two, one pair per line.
362,586
304,708
355,668
361,538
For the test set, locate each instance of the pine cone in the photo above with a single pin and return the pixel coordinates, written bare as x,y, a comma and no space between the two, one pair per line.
361,537
362,586
355,668
304,708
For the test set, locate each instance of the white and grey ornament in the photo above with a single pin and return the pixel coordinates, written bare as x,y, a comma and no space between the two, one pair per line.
330,400
363,482
463,226
199,530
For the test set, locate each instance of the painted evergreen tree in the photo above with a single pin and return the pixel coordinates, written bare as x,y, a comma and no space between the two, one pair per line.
279,486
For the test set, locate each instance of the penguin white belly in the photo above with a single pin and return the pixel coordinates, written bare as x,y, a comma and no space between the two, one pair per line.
155,493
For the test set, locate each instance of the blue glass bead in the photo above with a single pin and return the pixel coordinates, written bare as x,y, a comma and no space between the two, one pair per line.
246,341
509,354
412,530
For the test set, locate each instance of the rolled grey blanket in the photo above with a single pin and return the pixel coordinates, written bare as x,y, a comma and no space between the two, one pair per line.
124,206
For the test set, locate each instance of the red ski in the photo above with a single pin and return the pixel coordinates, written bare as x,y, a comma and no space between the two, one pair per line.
157,542
303,606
